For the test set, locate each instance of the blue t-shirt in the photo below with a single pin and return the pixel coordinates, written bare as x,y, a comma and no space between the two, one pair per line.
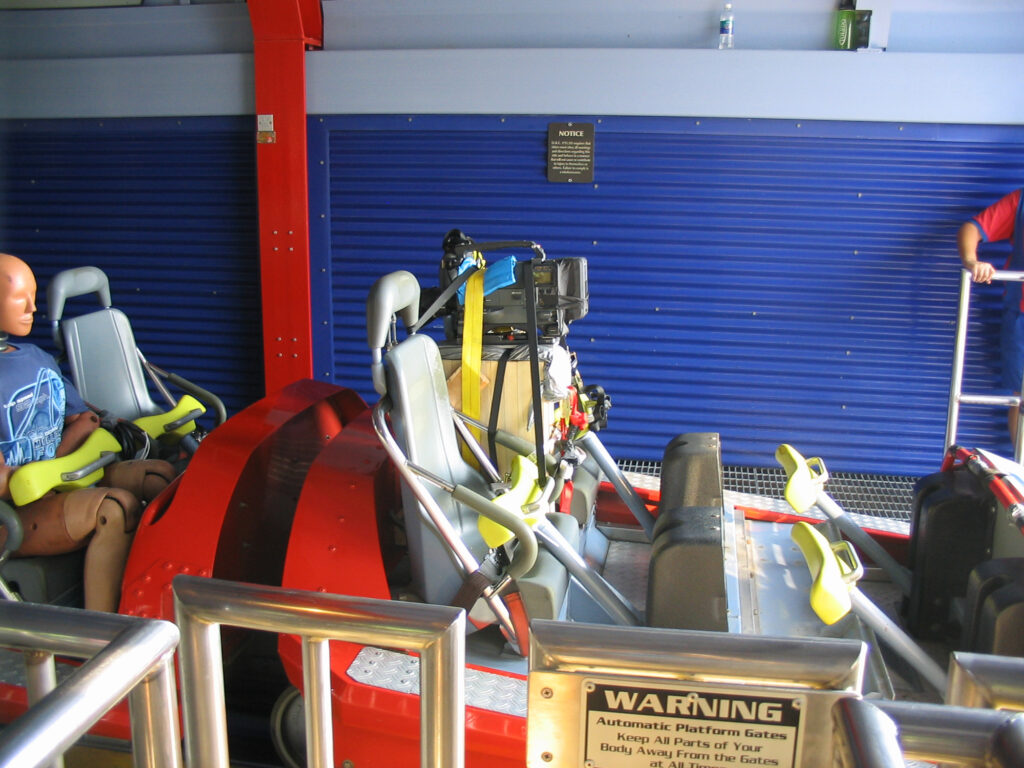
34,400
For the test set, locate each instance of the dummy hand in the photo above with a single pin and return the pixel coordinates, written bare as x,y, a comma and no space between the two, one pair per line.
77,427
5,479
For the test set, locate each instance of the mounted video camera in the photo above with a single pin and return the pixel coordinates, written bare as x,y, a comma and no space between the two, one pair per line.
560,287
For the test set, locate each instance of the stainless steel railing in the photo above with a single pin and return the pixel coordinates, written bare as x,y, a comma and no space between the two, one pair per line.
133,657
437,632
884,734
980,724
126,657
956,393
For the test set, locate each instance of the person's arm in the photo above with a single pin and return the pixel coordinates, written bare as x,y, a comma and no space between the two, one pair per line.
967,243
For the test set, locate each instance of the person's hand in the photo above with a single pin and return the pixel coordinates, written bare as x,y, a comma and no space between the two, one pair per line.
982,272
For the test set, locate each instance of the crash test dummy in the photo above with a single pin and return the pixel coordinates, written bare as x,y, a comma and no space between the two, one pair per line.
42,416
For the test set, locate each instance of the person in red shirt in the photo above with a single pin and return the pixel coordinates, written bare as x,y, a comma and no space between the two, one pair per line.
1003,220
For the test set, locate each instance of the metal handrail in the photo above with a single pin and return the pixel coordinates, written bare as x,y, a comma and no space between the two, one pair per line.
956,393
436,632
883,734
127,656
987,681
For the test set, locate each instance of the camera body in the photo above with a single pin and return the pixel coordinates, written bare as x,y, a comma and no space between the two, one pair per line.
562,297
560,285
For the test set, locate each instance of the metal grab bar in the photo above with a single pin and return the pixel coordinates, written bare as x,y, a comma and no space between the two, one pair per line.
129,656
437,632
956,393
882,734
983,680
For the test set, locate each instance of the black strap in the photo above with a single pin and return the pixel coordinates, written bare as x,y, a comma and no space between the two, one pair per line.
470,591
442,299
499,383
531,340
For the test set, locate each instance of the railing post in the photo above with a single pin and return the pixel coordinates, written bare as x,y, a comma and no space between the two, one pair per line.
316,675
868,736
437,632
129,657
959,349
204,713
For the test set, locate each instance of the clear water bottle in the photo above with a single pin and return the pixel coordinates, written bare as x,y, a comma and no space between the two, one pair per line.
725,27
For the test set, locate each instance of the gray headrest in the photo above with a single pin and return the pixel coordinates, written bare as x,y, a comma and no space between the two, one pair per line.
397,293
70,283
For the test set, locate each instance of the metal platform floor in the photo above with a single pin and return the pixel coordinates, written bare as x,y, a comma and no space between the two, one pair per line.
883,496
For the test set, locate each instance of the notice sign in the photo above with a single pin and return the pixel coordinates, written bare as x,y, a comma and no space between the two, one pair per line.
571,152
689,727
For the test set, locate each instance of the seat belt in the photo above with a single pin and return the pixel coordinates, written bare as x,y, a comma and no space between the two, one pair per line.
533,343
442,299
496,392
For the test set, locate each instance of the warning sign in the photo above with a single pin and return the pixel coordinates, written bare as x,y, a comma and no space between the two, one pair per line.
689,727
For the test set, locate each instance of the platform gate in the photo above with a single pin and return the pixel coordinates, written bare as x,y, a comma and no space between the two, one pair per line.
803,690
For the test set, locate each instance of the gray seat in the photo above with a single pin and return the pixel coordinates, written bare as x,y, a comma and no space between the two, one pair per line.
105,363
423,424
443,495
54,579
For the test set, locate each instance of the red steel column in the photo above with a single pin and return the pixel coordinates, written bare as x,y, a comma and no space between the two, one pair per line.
283,30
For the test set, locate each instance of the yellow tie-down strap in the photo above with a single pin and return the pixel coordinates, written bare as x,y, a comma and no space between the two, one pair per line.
806,477
523,491
472,353
835,569
175,423
33,481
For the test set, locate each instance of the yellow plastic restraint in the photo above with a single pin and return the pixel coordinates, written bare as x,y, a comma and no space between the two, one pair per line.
524,491
806,477
33,481
835,570
155,426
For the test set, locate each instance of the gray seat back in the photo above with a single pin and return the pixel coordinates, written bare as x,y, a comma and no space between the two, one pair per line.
422,419
411,374
100,347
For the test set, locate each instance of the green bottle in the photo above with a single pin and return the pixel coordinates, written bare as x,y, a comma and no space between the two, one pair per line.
842,32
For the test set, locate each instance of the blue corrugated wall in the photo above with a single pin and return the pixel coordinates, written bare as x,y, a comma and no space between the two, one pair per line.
769,280
167,208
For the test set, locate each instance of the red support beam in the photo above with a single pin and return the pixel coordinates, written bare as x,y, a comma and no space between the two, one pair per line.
283,30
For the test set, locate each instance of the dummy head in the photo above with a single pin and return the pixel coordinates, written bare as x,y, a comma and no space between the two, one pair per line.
17,295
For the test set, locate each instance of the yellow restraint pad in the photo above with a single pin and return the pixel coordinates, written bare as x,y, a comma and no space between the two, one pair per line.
155,425
35,480
831,574
805,477
524,491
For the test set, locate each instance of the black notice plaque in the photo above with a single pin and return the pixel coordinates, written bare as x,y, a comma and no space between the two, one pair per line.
571,152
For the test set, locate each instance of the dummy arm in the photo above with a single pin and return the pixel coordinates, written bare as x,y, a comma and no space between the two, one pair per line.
77,427
46,474
5,479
